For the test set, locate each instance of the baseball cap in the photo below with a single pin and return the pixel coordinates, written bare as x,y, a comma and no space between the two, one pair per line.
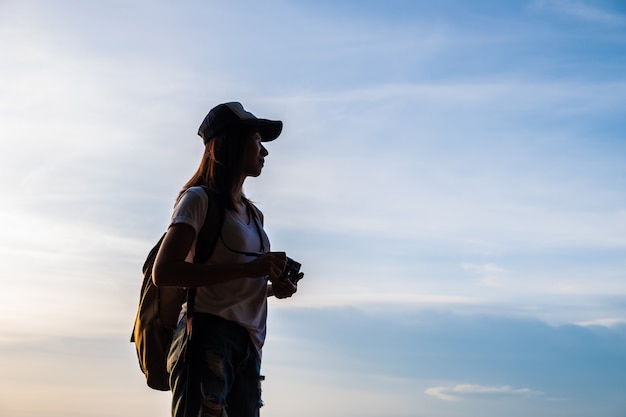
226,115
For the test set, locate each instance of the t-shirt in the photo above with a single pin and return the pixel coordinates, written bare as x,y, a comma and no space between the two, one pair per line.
242,300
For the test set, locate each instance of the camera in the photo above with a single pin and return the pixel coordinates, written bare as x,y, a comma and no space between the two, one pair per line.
292,269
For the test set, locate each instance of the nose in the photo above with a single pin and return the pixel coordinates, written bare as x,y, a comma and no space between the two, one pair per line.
264,151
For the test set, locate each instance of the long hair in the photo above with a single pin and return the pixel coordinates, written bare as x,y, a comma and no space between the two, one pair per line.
221,167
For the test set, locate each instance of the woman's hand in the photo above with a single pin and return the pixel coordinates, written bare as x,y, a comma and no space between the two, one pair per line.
271,264
284,288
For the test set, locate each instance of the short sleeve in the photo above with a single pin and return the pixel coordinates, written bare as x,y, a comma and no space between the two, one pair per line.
191,208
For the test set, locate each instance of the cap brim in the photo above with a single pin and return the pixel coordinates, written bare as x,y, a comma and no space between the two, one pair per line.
270,129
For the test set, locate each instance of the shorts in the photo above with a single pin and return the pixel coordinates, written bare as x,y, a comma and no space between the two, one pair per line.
217,370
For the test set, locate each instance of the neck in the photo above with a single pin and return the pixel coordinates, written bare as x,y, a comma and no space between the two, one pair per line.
238,190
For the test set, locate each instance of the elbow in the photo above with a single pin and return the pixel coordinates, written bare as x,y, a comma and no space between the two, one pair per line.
156,278
160,275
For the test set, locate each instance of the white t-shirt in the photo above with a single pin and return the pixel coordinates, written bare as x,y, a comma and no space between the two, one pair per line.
243,300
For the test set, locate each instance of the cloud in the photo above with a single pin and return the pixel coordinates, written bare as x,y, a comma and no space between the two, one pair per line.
581,10
605,322
459,178
464,391
491,274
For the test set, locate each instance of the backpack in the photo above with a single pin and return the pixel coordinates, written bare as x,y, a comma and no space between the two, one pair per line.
159,307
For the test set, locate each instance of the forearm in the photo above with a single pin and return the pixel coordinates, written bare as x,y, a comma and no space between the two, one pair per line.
186,274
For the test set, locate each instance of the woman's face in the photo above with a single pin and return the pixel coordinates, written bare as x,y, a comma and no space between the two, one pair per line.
254,157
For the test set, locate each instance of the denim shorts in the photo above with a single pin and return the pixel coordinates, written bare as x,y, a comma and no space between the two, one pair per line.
217,369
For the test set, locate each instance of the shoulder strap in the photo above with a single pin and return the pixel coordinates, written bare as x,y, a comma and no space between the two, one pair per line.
257,217
211,229
255,211
205,244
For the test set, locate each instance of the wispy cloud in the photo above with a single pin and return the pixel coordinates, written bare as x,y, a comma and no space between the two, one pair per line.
579,9
605,322
491,274
464,391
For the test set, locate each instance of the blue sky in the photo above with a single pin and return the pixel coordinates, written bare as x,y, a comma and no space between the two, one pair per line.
451,176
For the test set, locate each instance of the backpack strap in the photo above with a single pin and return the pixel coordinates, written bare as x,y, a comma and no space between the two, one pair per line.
205,244
211,229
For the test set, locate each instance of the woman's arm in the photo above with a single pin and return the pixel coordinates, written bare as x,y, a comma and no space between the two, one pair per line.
171,269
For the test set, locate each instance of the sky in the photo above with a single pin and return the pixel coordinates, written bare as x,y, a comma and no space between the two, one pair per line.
451,175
